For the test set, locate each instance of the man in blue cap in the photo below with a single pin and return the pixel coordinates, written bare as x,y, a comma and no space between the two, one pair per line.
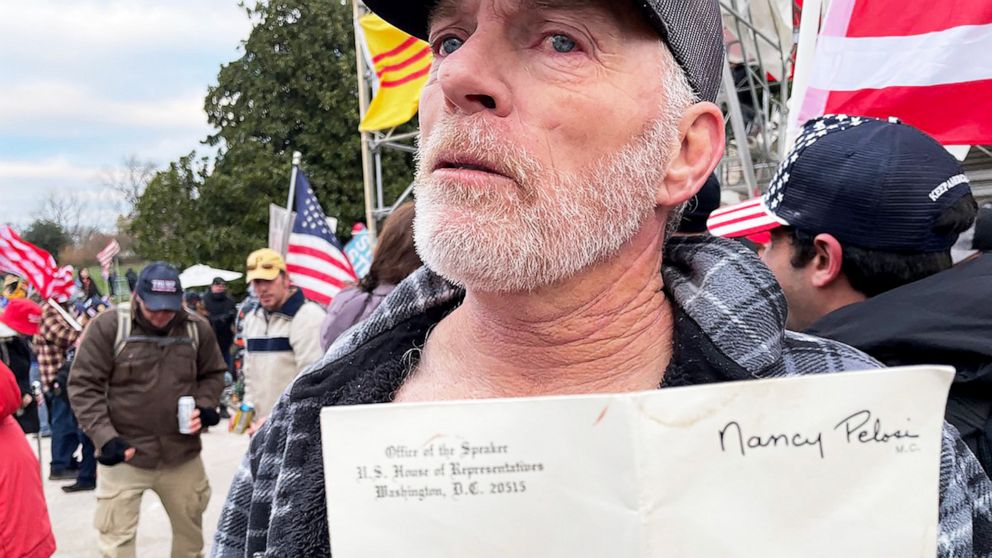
558,142
133,366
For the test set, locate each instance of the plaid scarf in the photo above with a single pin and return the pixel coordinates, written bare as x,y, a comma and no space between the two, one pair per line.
729,325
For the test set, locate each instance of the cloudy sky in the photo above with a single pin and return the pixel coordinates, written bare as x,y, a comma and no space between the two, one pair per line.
86,83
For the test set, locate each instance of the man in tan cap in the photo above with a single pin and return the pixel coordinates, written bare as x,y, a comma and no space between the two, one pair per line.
282,335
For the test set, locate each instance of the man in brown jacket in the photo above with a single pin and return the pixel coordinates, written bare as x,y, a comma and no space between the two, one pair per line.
129,373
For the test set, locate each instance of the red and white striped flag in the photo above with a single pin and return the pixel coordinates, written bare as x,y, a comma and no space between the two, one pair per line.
928,63
315,259
63,281
34,264
106,256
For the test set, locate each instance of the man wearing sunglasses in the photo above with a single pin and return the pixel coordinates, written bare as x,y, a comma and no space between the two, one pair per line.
282,335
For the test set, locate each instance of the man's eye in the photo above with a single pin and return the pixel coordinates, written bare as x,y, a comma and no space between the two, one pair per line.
562,43
449,45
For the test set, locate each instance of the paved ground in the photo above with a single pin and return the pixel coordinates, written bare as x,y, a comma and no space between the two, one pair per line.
72,514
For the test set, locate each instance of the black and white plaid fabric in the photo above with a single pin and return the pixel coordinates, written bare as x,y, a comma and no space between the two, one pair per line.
725,298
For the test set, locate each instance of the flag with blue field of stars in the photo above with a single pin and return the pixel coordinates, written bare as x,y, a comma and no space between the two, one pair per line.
315,259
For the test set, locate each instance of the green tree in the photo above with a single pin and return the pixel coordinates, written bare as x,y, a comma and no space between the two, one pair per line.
294,89
47,235
167,225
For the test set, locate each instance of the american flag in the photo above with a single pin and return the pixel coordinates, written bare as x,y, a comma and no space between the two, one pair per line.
106,256
34,264
925,62
315,258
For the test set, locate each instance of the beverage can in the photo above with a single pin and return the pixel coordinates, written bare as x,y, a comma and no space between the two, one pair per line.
243,417
185,414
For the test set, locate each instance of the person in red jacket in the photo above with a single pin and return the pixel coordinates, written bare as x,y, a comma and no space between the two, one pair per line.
25,531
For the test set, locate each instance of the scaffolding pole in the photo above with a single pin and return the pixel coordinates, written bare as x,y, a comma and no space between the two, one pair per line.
363,107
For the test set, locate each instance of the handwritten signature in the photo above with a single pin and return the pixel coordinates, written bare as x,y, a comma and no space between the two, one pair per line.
860,427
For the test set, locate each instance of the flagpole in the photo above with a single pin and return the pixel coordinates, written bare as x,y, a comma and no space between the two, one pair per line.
363,107
809,28
297,161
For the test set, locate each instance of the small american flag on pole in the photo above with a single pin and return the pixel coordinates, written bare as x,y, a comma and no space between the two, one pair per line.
106,256
315,259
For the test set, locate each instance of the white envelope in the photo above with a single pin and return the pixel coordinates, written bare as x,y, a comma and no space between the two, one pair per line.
830,465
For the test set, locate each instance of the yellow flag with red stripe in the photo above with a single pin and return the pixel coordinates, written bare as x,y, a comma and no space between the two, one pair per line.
402,64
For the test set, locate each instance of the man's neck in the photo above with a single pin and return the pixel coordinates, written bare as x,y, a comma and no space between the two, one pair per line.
608,329
278,307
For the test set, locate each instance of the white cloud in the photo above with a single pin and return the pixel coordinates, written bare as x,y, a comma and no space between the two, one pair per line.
57,168
119,24
57,107
87,82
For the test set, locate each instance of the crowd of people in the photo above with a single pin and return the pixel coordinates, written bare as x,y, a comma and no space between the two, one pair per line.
111,376
541,239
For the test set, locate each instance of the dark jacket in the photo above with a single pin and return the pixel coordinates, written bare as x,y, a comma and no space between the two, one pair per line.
222,310
943,319
16,354
729,325
135,395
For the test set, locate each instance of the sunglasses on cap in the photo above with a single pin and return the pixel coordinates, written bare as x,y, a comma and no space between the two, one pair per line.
253,267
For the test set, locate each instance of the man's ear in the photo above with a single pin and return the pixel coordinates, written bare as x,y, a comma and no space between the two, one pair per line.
828,262
701,142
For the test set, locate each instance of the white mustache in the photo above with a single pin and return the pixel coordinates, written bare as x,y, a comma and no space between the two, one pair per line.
475,139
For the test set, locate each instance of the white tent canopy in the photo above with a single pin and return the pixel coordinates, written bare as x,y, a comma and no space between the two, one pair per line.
201,275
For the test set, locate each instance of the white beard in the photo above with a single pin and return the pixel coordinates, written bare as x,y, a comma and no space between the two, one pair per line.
551,227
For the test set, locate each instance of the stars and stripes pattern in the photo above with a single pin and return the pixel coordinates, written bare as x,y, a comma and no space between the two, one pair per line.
106,256
925,62
34,264
758,216
315,259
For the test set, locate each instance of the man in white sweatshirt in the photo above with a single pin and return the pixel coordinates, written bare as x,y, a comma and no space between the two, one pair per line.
282,335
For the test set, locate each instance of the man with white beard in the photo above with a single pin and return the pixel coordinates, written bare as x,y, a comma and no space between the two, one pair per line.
558,140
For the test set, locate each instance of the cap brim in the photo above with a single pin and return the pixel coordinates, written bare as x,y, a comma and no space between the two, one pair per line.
7,331
406,15
161,303
744,219
263,274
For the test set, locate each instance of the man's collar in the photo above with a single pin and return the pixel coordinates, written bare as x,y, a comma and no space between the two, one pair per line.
293,304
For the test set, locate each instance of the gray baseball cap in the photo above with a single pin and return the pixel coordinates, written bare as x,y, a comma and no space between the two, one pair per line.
692,29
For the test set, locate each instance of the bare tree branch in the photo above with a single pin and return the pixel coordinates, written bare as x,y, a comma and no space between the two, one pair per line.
129,180
66,210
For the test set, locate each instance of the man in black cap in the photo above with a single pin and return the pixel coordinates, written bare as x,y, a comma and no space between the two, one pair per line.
558,140
133,366
941,315
863,254
221,309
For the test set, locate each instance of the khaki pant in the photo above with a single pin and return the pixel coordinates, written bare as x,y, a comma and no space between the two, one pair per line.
183,489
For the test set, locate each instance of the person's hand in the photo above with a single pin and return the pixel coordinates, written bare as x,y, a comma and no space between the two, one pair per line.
194,422
209,416
115,451
26,400
256,425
